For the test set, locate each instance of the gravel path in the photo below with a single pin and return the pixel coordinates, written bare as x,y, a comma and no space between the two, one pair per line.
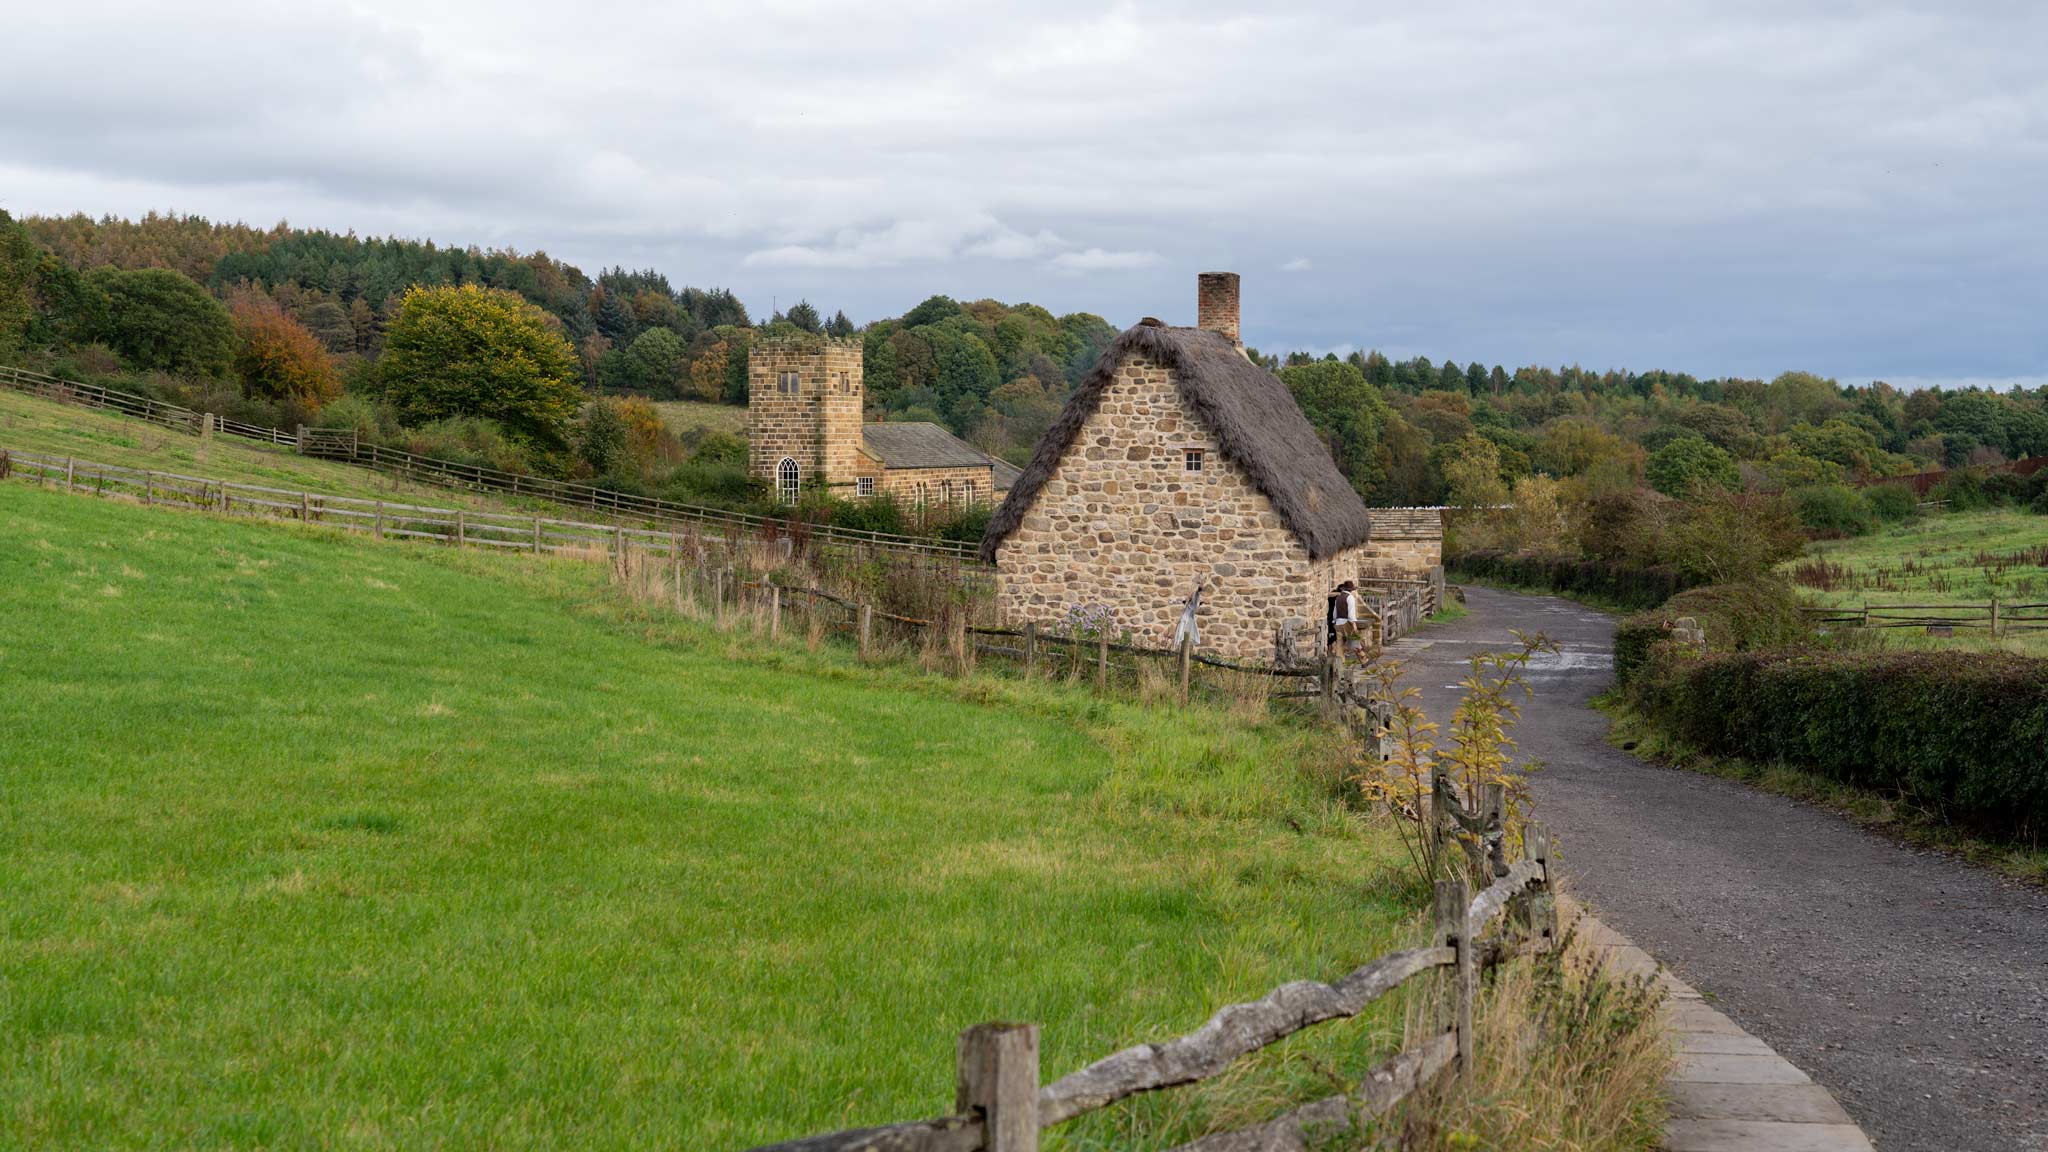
1913,986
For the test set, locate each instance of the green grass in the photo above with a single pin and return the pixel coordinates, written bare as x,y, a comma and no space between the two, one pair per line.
1938,558
311,840
33,424
682,415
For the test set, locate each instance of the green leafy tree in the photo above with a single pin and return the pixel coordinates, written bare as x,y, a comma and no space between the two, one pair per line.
160,320
1689,463
19,257
601,438
1349,413
474,351
658,362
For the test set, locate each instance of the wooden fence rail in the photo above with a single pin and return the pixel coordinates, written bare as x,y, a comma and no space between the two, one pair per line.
2000,617
336,444
1000,1106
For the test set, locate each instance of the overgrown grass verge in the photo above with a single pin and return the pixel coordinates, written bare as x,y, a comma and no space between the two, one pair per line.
1892,814
1568,1056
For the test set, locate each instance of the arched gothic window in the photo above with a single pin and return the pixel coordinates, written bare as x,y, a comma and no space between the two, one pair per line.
789,480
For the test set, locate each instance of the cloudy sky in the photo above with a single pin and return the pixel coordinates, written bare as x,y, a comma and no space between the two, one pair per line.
1718,187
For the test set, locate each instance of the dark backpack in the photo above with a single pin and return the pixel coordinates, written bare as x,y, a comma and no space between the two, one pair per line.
1330,612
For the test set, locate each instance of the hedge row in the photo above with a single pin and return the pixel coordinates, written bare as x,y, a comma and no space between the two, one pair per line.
1965,733
1630,587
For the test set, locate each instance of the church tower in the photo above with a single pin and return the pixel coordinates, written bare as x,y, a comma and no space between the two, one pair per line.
804,413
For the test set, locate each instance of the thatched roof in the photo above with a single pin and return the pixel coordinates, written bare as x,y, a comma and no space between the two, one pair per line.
1249,411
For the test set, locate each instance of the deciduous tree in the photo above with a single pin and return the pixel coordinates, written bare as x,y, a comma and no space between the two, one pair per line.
473,351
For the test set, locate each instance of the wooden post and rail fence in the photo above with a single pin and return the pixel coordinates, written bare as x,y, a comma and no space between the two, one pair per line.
1999,617
1000,1105
345,445
1399,608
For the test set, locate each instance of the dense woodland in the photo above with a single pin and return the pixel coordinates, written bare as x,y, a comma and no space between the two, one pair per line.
286,325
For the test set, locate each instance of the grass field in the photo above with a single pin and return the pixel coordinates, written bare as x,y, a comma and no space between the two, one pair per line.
321,841
33,424
1939,558
682,415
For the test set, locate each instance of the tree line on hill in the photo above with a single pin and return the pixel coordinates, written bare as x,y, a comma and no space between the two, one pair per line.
285,325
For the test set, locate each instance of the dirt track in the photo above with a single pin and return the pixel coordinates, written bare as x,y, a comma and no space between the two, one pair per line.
1913,986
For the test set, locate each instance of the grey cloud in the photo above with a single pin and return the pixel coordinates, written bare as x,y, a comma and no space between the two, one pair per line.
1719,187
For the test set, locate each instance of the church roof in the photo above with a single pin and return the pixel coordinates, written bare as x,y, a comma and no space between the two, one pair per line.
1250,412
918,444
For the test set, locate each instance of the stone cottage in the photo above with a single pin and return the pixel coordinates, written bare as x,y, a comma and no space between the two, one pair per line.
805,427
1179,462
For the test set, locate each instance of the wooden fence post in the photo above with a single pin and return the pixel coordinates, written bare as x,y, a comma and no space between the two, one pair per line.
997,1078
1329,680
149,489
1453,900
774,611
299,441
380,519
1994,617
536,535
461,528
305,506
1538,909
619,539
718,597
1493,809
69,465
1030,649
1187,666
1102,660
866,629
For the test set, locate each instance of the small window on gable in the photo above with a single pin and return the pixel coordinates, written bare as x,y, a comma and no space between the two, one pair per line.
1192,459
923,493
945,491
865,486
787,382
970,491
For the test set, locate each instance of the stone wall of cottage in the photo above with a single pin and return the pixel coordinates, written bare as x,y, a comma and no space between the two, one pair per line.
1123,524
818,425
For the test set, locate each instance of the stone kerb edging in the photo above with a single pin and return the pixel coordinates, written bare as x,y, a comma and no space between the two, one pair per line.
1730,1092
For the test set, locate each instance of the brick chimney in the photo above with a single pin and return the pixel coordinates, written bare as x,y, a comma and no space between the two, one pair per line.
1216,304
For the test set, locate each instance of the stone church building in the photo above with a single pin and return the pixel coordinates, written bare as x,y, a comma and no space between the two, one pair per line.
805,428
1179,462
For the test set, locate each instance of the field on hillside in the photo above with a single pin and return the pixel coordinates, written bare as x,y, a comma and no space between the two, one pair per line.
1938,558
30,423
682,415
314,840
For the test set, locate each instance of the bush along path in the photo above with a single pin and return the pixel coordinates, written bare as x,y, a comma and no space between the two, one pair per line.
1912,986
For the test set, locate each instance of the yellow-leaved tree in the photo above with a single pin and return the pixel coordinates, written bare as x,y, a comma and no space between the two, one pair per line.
473,351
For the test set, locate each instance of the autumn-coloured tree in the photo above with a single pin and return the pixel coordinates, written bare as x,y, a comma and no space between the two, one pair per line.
277,358
707,372
472,351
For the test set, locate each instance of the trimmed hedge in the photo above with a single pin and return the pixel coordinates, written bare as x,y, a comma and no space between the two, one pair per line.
1965,733
1630,587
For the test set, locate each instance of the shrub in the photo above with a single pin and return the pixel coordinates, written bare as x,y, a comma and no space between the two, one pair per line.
1960,732
1831,511
1760,613
881,513
1963,491
1891,503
